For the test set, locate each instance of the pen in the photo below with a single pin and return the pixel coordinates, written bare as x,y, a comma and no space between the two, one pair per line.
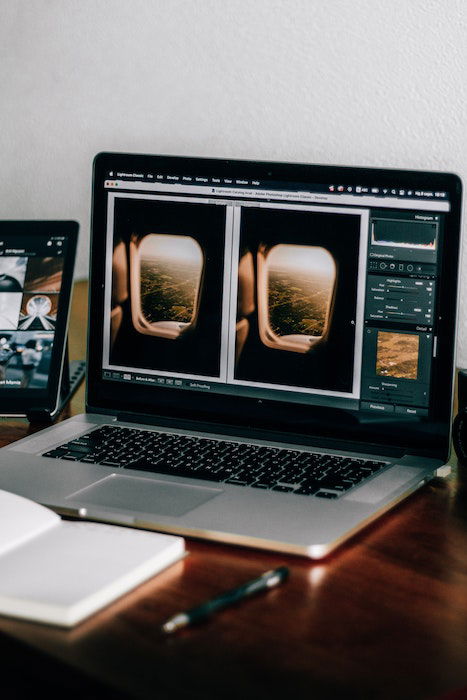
269,579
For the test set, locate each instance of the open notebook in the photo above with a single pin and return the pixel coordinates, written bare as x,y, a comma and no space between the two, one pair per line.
60,572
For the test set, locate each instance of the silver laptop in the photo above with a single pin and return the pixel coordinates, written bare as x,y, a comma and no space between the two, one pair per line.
270,356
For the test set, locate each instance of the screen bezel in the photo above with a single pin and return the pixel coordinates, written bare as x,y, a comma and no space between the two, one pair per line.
26,401
294,423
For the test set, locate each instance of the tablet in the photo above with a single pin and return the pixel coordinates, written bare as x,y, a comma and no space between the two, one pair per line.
36,275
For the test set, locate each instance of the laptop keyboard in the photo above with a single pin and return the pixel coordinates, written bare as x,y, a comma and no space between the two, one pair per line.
263,467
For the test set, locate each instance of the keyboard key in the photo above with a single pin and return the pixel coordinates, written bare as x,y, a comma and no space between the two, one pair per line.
307,489
79,446
57,453
336,486
204,474
234,480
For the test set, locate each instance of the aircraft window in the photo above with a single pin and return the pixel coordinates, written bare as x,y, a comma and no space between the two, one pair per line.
295,295
166,280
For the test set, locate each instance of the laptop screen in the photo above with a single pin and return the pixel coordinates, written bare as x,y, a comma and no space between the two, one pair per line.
246,285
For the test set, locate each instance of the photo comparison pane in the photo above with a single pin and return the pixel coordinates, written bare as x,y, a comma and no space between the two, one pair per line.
297,298
167,281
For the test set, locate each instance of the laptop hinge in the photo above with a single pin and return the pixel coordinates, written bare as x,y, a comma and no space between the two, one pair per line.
416,461
249,432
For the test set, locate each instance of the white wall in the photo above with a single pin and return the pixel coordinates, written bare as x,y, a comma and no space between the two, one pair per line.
360,82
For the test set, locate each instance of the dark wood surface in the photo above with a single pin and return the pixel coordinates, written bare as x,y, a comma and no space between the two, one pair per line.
384,617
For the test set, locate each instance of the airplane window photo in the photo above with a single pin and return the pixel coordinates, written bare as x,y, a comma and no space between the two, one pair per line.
167,281
169,269
298,286
302,330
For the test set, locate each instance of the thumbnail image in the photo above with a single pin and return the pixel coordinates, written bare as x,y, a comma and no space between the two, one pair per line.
38,312
44,275
167,282
7,352
12,273
25,359
10,304
397,355
297,298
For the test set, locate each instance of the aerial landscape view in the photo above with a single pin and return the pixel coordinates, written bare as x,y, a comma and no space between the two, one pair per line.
300,287
397,355
170,275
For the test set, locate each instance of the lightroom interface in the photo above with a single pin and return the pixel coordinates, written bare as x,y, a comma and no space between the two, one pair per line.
253,289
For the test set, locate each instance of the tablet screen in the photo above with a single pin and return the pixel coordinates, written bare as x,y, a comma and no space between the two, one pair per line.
35,282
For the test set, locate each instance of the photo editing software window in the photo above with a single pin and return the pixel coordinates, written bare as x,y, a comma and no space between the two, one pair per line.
30,281
319,295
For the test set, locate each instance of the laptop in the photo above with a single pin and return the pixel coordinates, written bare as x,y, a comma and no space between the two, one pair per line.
270,356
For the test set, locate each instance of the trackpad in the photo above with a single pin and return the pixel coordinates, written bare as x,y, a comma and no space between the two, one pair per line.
140,495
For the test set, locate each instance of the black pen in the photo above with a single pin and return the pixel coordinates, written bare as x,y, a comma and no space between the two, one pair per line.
267,580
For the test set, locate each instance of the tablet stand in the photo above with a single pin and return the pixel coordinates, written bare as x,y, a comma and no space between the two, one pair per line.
72,376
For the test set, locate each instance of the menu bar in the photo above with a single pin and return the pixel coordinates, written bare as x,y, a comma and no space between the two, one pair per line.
337,189
295,196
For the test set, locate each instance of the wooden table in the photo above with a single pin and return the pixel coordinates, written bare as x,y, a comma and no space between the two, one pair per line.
384,617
